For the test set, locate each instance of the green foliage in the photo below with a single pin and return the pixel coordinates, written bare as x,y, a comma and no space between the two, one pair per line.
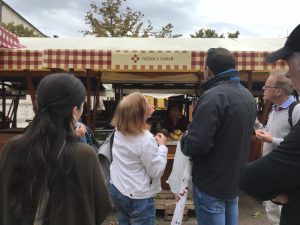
210,33
234,35
256,214
206,33
19,30
110,20
166,31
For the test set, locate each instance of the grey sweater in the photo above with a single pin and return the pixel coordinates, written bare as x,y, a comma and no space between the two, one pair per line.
278,126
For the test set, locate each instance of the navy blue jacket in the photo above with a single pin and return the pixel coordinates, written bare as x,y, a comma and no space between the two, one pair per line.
219,137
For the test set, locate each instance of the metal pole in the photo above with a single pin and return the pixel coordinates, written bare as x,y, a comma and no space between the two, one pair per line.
1,5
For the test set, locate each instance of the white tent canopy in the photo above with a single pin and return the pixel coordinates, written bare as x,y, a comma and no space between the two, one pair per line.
154,44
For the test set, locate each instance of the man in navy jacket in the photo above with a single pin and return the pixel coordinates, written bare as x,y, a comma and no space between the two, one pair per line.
218,140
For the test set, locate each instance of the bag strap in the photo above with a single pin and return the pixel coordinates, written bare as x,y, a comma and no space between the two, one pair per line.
111,142
291,108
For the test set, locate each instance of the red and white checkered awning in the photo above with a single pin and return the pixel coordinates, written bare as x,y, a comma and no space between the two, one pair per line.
8,39
134,55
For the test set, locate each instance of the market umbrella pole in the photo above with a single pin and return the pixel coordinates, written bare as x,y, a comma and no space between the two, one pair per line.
181,198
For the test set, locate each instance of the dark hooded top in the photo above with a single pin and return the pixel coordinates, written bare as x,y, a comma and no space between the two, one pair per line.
276,173
87,201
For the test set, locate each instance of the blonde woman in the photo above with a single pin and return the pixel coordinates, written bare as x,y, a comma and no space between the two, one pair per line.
139,160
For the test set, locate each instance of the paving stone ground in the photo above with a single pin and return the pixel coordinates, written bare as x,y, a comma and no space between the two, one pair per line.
251,212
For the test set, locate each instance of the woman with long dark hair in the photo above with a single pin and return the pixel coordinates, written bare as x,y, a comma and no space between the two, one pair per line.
46,175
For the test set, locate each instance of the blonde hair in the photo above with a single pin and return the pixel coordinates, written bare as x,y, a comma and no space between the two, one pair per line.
129,117
282,81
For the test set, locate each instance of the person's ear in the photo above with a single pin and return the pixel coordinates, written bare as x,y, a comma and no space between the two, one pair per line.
209,72
75,113
278,91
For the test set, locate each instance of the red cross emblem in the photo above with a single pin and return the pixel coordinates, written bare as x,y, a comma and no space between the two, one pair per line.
135,58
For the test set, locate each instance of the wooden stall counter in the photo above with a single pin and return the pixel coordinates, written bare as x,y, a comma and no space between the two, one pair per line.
171,154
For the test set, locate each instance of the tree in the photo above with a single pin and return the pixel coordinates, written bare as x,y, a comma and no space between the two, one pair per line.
110,20
206,33
166,31
19,30
234,35
210,33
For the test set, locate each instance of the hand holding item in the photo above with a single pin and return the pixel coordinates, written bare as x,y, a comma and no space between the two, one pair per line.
161,139
264,136
164,132
257,124
80,130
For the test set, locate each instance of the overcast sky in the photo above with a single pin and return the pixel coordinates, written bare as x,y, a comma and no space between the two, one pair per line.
253,18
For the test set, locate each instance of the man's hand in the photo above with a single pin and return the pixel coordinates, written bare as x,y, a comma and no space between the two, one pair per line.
264,136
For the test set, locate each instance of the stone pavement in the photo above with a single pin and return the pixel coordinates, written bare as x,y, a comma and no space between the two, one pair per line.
251,212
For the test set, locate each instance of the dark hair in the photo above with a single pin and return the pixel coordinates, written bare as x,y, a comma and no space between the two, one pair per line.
219,59
45,151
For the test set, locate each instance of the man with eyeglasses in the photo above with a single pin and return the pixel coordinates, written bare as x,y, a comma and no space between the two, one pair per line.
284,114
276,176
218,140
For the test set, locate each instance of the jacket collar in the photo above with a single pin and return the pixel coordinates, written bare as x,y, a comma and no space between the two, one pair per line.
228,76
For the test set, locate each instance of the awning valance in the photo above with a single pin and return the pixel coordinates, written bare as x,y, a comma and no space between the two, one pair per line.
20,59
135,54
136,61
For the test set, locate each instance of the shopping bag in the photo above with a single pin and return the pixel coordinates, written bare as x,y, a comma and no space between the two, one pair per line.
181,197
175,178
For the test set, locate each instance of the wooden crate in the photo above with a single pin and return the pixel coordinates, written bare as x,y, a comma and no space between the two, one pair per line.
166,201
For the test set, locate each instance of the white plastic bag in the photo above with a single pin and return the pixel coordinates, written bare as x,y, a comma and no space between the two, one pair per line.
182,195
176,176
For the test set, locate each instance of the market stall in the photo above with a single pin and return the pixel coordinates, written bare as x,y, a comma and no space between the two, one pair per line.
131,63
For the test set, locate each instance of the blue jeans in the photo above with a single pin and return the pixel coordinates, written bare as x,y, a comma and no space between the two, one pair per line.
132,211
213,211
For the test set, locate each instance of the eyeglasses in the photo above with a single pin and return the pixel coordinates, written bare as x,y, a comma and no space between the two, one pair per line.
267,86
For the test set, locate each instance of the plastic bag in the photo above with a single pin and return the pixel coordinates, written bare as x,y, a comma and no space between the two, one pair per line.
176,176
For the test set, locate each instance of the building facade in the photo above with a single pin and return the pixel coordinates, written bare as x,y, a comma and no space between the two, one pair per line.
8,15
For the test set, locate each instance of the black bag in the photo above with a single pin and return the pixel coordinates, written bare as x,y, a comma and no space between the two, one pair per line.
91,140
291,108
105,156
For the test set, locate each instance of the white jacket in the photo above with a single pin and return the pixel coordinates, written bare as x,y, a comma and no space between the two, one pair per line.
138,164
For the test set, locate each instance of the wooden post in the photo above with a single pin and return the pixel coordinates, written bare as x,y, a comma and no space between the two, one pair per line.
88,101
31,89
266,111
249,84
97,100
3,103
